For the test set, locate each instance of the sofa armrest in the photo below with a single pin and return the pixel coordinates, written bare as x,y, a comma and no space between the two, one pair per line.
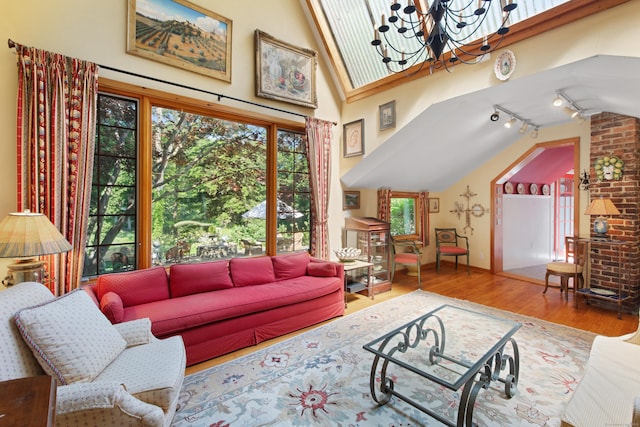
136,332
103,404
339,266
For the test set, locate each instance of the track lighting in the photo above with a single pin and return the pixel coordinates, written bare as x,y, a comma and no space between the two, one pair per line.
571,108
524,127
511,122
513,119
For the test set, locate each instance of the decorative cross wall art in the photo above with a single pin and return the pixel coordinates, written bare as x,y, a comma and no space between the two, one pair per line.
476,210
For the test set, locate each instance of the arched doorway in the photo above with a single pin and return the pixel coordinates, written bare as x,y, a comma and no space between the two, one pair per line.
545,163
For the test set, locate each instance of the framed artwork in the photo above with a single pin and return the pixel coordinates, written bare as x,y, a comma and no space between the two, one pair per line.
285,72
351,200
387,115
181,34
434,204
353,139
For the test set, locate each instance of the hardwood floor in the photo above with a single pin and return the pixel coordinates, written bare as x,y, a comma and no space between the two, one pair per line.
482,287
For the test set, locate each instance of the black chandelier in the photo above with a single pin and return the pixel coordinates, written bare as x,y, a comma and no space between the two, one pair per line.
423,36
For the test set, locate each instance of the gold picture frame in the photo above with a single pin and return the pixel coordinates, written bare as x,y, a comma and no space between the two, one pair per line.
199,40
351,200
285,72
353,138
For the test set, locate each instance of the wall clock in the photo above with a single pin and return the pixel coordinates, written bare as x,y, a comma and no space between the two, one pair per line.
505,65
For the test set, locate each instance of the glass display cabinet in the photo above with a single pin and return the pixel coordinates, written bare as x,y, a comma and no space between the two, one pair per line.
371,236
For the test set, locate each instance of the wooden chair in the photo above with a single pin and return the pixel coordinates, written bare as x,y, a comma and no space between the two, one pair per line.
405,252
571,268
449,243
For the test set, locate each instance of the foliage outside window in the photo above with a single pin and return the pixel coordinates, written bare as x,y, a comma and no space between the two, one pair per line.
209,180
404,215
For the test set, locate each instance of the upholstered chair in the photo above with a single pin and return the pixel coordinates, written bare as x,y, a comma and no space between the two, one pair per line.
571,268
450,243
107,375
405,252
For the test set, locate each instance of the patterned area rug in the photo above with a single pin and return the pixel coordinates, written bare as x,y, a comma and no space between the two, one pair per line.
321,377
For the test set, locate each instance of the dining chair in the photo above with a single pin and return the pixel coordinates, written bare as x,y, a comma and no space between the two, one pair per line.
571,268
405,252
450,243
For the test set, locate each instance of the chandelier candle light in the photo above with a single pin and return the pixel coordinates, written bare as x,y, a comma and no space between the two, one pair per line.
26,235
462,27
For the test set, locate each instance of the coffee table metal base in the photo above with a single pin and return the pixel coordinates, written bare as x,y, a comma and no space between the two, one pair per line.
491,370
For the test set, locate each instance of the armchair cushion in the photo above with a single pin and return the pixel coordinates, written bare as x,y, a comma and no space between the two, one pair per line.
136,332
451,250
69,336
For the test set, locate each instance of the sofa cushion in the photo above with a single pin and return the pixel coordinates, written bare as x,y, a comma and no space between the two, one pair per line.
321,269
177,314
290,266
251,271
111,306
188,279
135,287
70,337
16,359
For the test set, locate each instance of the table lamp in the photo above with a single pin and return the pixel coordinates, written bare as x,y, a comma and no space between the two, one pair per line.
25,235
601,207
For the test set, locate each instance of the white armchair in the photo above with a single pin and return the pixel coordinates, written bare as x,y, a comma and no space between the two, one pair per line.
106,374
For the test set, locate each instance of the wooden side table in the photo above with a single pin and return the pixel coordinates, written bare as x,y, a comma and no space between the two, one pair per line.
28,401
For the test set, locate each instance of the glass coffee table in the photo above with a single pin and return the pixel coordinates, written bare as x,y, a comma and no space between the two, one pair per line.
453,347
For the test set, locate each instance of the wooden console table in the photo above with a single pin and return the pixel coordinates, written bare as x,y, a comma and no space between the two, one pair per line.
28,401
614,295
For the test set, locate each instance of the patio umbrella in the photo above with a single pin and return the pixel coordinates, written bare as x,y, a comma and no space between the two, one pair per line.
259,211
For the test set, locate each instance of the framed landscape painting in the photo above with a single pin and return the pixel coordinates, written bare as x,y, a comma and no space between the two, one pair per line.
285,72
351,200
181,34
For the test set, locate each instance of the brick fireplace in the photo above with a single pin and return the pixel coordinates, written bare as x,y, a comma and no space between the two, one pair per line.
614,134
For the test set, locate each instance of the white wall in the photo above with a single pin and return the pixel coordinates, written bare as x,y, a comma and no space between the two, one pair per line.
96,30
528,222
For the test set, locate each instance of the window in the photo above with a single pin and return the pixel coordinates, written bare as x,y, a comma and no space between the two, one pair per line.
404,215
111,236
191,184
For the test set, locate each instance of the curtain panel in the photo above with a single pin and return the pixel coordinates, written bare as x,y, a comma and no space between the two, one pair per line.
56,121
319,134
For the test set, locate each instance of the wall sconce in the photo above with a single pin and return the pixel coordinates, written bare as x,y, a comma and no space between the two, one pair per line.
584,181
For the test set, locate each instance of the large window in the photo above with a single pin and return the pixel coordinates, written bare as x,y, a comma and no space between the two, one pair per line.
190,184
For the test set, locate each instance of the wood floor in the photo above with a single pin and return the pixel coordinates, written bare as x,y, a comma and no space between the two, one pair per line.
506,293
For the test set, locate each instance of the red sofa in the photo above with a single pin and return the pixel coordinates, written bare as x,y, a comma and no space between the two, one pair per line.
221,306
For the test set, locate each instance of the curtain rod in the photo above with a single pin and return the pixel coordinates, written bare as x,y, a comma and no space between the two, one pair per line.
220,96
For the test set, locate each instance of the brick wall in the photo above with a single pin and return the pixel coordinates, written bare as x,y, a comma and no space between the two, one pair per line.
614,134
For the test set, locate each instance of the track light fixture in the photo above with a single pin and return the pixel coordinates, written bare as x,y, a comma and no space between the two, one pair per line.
513,120
570,107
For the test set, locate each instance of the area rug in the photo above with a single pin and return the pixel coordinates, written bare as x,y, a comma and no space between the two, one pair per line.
321,377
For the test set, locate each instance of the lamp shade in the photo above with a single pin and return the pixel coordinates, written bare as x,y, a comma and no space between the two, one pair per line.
602,207
27,234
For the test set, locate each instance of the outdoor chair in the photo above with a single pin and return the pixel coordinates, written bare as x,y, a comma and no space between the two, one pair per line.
405,252
571,268
450,243
251,248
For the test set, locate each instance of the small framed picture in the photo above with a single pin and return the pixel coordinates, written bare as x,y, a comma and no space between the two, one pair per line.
353,139
387,115
351,200
434,204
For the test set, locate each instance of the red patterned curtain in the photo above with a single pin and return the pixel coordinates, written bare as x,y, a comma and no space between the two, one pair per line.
57,98
319,134
384,204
